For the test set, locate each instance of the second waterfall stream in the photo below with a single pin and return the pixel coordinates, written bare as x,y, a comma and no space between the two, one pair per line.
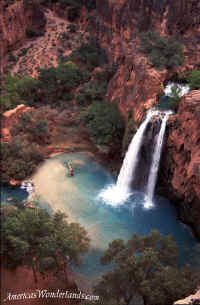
118,193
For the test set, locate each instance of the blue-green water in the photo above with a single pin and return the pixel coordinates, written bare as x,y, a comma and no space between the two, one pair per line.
78,197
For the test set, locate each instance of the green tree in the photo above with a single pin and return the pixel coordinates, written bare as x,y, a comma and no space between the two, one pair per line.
163,52
18,90
194,79
90,54
19,159
104,122
91,92
57,83
145,267
31,237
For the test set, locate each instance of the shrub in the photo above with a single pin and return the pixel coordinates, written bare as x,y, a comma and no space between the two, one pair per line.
19,159
57,83
106,73
194,80
163,52
91,92
31,125
90,54
104,122
17,91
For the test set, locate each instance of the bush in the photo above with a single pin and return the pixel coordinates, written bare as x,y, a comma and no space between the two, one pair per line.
163,52
90,54
104,122
194,80
36,130
57,83
91,92
19,159
106,73
18,91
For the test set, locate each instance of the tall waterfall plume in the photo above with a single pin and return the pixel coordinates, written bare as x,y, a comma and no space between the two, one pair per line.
127,172
152,178
119,193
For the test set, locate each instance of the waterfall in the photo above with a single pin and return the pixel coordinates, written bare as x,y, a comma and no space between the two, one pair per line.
156,161
119,193
129,165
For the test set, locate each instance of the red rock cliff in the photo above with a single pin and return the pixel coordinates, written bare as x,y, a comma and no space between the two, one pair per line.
15,20
181,160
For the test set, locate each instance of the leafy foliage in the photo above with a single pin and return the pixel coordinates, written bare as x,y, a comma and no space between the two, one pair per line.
29,124
90,54
163,52
95,90
104,122
91,92
57,83
33,238
18,91
145,267
53,85
194,79
19,159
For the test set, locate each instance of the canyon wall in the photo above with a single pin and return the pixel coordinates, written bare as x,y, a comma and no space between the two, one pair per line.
15,20
180,168
116,24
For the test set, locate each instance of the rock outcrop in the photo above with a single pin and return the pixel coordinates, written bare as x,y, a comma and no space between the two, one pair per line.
181,161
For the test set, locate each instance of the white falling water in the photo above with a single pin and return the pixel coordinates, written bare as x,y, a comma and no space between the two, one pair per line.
117,194
183,88
127,171
155,162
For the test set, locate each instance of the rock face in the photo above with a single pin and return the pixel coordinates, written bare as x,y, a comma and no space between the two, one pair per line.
117,24
181,161
15,21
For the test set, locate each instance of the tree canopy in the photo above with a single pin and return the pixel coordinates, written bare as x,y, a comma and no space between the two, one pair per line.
104,122
145,267
33,238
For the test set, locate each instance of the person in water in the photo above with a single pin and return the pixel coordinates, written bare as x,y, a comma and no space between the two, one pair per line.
71,171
